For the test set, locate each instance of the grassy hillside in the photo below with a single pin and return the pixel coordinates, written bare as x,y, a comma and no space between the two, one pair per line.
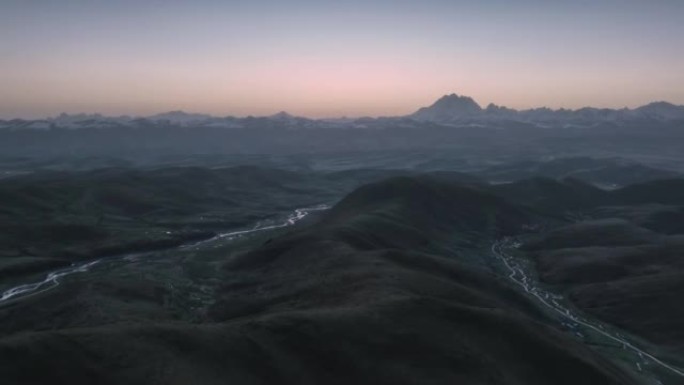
417,212
53,218
605,172
552,197
667,191
619,272
374,292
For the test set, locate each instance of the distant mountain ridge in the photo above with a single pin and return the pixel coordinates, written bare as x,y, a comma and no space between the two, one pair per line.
455,108
449,109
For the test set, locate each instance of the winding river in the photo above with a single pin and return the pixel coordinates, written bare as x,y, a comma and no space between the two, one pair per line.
52,279
518,276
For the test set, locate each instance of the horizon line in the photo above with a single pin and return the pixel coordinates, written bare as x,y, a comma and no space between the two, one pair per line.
296,115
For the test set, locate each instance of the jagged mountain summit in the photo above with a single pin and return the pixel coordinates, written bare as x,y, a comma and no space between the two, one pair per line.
449,107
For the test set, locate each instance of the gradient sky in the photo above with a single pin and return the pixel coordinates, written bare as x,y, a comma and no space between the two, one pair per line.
333,58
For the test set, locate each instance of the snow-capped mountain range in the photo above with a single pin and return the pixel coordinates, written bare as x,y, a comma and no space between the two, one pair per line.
449,110
455,108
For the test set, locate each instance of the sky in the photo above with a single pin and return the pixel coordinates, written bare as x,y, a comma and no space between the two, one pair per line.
334,58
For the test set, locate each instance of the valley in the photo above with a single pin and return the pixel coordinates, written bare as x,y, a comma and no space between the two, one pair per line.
610,339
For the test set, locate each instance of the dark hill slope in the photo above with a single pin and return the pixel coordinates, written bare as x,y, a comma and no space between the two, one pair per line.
341,301
596,264
621,273
664,219
605,232
386,312
667,192
422,212
626,268
600,171
552,196
53,218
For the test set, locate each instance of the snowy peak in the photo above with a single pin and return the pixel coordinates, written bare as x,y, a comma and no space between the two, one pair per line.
449,107
454,101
